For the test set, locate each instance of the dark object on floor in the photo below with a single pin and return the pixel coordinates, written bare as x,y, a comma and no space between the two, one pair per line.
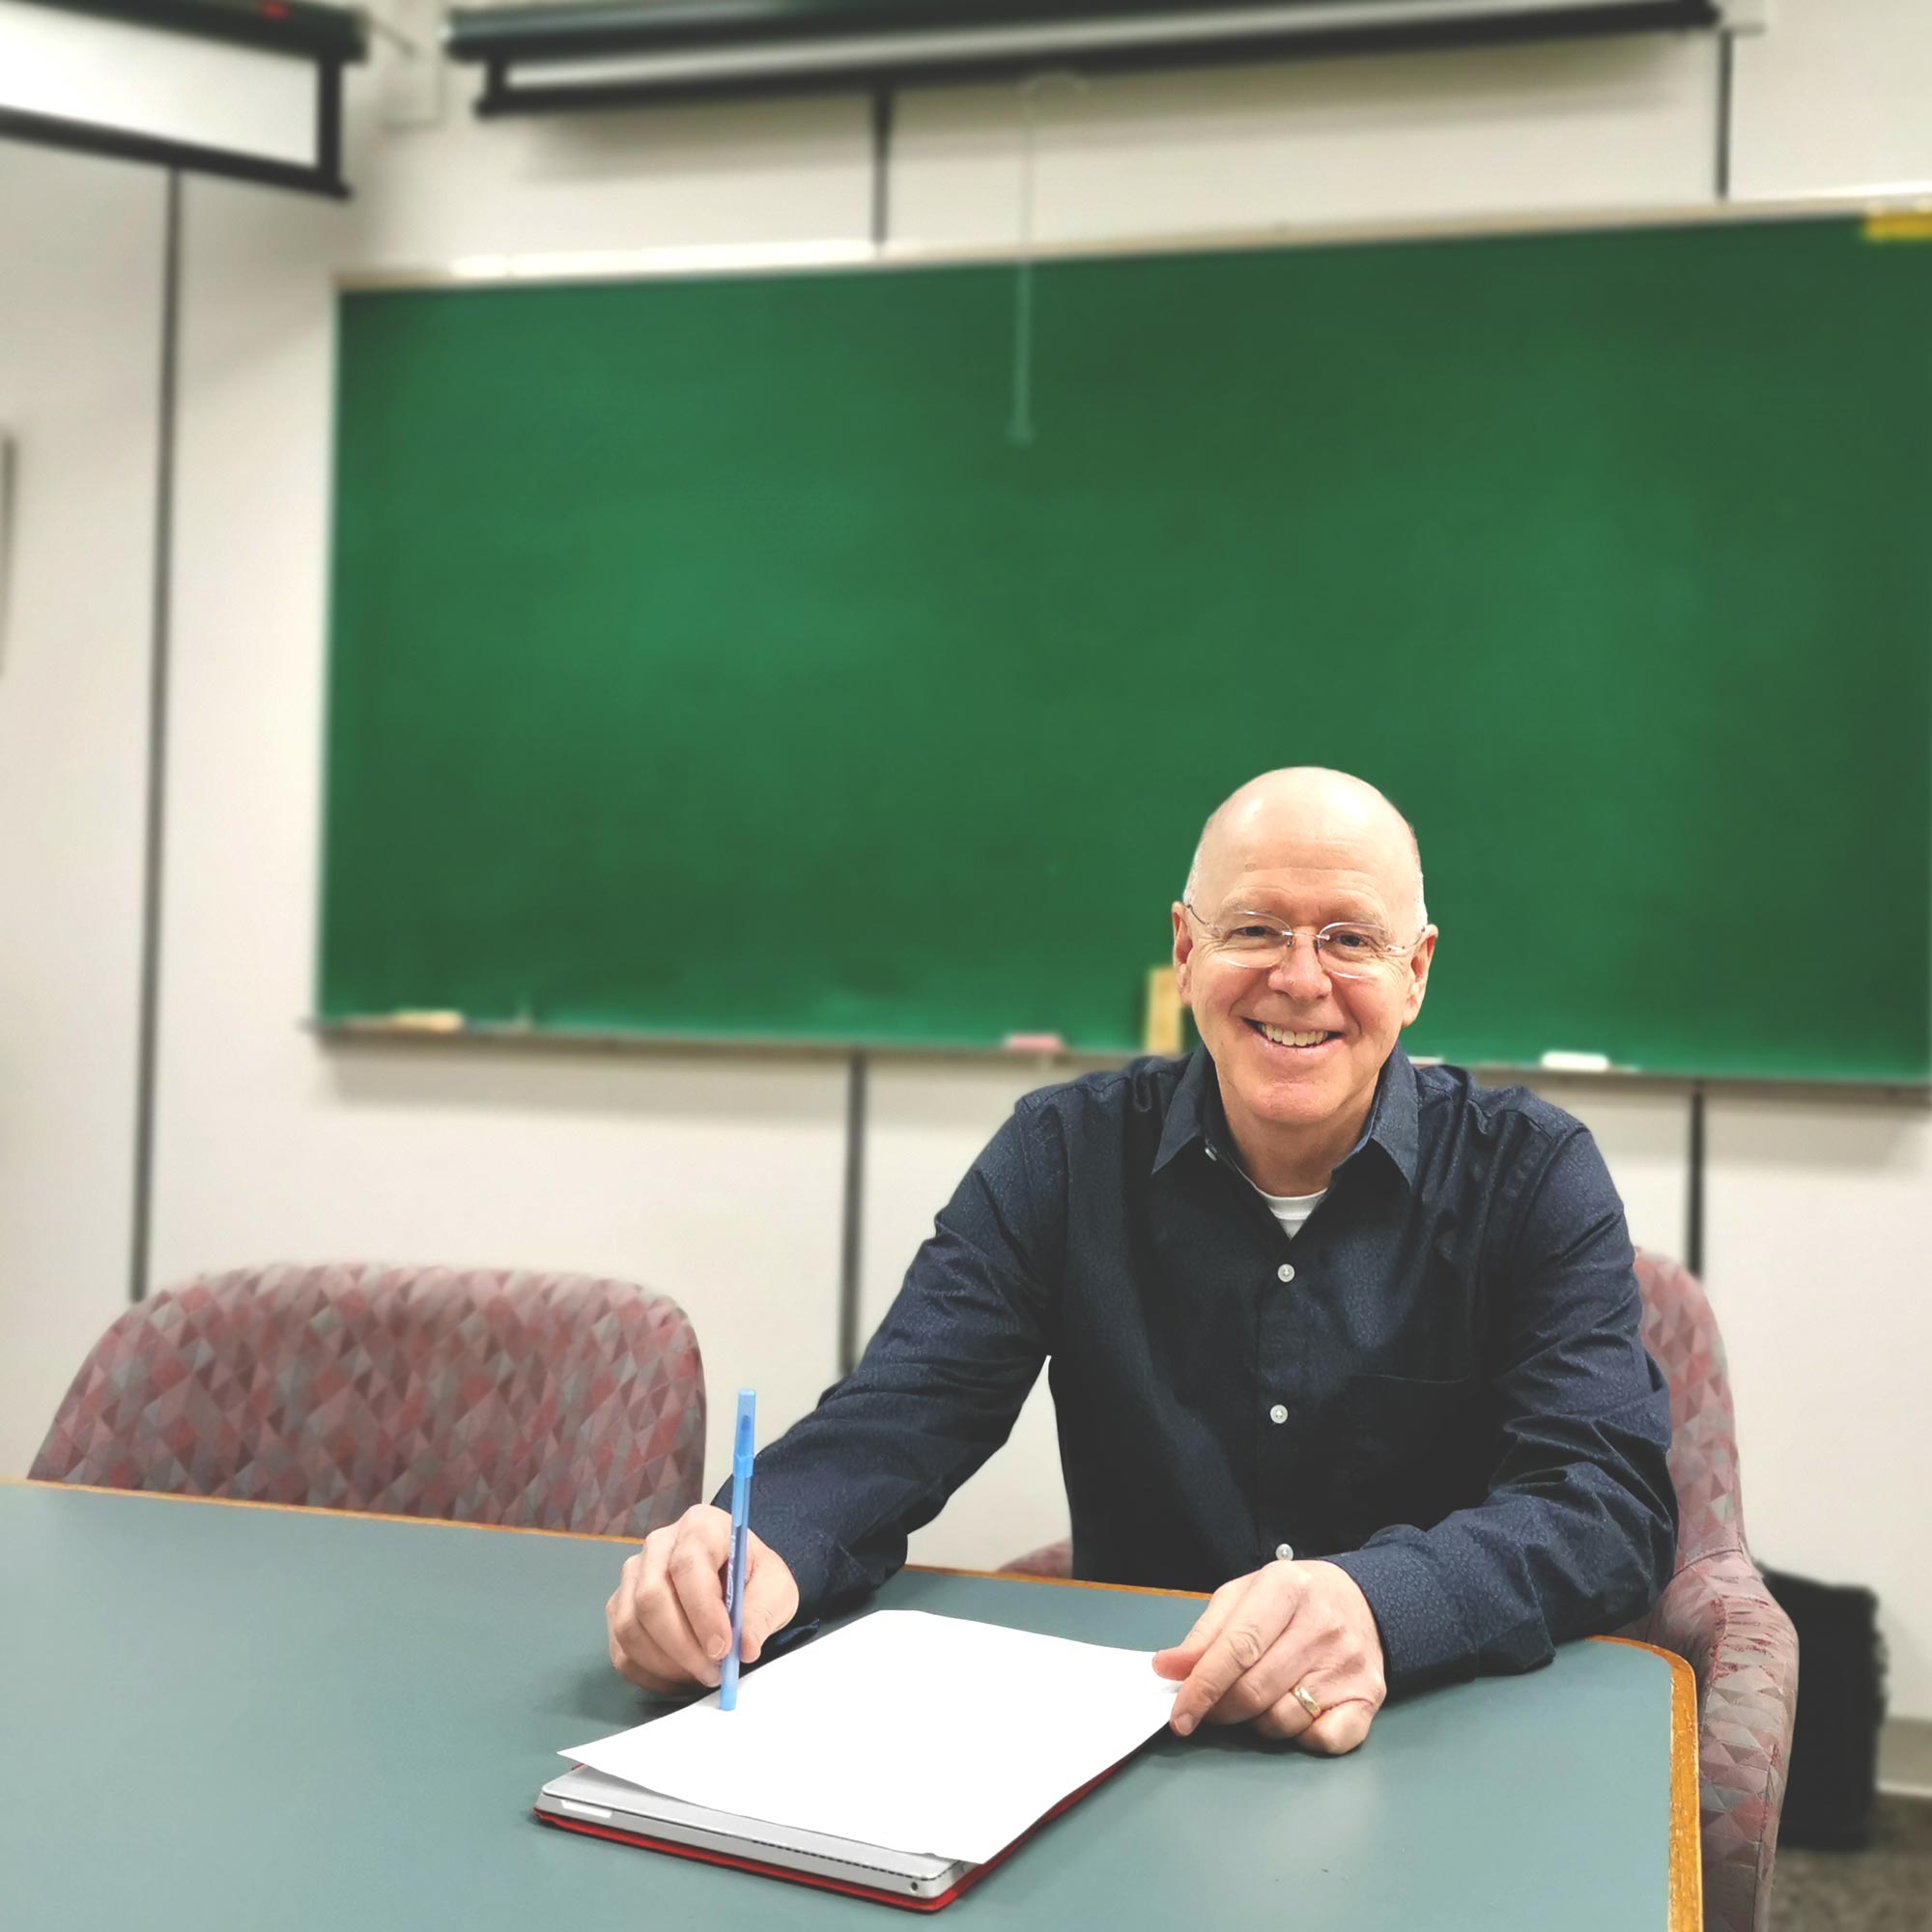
1885,1889
1833,1775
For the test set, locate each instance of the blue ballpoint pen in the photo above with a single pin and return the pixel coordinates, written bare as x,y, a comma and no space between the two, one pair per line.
734,1573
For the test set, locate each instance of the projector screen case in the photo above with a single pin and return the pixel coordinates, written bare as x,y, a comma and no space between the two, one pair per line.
211,86
545,57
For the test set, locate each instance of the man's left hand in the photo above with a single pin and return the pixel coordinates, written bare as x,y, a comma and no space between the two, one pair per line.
1262,1634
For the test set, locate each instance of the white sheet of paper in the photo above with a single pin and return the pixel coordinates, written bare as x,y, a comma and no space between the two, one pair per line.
917,1732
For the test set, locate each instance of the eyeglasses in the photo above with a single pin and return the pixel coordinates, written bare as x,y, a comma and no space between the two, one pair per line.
1254,941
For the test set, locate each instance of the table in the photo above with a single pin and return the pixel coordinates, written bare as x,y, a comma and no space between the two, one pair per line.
220,1715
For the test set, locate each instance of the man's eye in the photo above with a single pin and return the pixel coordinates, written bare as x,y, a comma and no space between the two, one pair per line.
1345,939
1252,934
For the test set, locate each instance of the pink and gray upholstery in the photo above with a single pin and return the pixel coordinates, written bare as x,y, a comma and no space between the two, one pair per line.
1714,1613
544,1400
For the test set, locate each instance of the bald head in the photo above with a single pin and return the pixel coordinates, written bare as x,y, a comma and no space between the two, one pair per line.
1303,802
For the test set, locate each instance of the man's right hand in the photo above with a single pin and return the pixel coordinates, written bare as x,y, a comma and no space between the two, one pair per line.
667,1617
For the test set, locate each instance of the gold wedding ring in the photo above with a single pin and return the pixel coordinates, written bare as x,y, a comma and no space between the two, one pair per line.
1308,1703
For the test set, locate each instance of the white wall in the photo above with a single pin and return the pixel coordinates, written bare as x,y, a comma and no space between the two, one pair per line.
1617,124
719,1178
1833,100
1821,1219
80,333
927,1121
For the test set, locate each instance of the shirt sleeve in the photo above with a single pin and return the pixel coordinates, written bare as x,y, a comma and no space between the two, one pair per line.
939,1386
1578,1531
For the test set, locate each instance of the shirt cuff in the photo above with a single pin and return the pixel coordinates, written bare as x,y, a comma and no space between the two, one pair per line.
813,1557
1423,1638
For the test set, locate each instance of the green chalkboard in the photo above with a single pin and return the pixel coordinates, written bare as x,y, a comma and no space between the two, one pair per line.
710,658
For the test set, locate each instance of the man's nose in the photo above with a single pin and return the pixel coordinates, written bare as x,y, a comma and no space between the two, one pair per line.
1299,972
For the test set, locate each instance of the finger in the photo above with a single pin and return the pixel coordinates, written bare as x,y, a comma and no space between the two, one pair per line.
620,1612
1286,1715
666,1626
1323,1658
1179,1658
1339,1730
1286,1663
1285,1719
771,1598
632,1655
1320,1652
636,1673
1262,1615
698,1560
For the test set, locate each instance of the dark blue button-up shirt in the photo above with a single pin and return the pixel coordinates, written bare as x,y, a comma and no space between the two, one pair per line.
1437,1383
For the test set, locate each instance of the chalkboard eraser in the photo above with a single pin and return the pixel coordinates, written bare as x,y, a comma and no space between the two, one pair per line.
1910,224
1575,1063
1033,1043
426,1020
1162,1034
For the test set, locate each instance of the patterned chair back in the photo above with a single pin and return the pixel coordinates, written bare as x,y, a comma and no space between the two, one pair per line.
544,1400
1717,1613
1682,1336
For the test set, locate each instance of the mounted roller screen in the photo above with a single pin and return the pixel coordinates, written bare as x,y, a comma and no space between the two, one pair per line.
711,659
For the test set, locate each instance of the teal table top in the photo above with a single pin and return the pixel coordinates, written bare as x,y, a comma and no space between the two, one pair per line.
264,1719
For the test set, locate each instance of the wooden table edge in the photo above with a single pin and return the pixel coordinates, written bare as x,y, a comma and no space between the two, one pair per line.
1686,1869
309,1509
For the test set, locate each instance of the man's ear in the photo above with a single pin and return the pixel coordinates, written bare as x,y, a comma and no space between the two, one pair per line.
1418,974
1183,950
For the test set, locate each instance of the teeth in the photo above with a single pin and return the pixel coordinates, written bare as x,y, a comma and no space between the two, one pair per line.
1283,1038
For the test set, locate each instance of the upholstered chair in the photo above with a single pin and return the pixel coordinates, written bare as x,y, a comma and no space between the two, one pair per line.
544,1400
1715,1611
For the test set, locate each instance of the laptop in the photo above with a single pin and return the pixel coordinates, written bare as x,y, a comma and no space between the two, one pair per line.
819,1766
606,1808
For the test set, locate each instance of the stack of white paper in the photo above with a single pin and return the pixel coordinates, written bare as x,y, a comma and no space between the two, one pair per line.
917,1732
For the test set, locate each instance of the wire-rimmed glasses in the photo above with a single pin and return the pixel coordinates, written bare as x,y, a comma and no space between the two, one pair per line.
1258,941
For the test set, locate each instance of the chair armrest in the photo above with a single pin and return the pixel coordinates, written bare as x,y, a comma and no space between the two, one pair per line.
1052,1559
1717,1616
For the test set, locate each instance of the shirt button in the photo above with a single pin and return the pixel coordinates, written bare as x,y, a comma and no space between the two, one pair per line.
1277,1413
1283,1272
1284,1552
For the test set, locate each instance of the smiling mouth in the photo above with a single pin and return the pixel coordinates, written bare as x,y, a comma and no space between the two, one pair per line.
1292,1040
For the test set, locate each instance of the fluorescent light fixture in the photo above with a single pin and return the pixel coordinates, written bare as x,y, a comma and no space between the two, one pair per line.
548,56
250,87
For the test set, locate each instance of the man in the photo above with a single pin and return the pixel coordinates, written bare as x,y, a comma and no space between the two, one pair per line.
1358,1335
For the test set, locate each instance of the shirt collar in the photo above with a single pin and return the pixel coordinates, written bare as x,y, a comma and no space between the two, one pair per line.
1197,1097
1195,1114
1394,1118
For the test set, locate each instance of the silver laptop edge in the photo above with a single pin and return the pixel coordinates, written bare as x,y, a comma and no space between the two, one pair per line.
591,1798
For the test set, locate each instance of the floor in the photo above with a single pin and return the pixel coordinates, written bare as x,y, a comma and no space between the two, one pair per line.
1886,1889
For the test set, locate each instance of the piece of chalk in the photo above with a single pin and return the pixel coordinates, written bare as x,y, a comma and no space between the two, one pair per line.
1033,1043
427,1021
1576,1063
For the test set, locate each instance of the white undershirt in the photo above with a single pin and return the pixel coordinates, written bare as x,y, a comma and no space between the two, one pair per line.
1289,1209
